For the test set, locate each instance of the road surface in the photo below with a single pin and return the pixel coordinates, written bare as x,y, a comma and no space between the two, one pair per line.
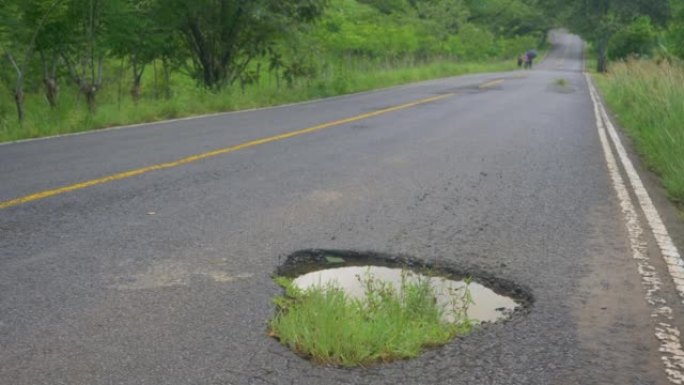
144,255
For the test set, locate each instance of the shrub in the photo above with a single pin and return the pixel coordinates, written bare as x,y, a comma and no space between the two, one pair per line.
638,38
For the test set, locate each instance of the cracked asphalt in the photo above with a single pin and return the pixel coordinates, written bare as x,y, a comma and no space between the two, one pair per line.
164,278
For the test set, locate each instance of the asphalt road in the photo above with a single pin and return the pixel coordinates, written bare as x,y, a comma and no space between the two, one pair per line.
164,277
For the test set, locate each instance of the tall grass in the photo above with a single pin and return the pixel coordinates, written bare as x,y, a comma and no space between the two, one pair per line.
648,99
116,108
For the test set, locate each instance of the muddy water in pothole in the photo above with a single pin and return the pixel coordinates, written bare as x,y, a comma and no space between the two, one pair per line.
486,306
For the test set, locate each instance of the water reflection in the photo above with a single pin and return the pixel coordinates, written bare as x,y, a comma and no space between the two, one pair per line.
486,306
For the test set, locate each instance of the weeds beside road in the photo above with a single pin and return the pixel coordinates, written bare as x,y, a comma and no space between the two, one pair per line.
648,101
192,100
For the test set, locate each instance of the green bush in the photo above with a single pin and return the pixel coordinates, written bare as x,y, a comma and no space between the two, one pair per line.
638,38
472,43
675,36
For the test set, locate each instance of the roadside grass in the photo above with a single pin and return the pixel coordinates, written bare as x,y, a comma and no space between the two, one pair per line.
116,108
389,323
590,58
648,100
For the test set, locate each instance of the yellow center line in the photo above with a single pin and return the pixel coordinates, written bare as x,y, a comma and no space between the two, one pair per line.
210,154
492,83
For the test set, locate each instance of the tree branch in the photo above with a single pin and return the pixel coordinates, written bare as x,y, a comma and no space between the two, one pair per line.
29,49
9,57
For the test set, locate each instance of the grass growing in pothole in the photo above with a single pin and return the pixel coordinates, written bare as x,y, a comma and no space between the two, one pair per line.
386,324
560,82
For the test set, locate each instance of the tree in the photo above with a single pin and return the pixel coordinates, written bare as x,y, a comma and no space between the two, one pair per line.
49,43
134,33
20,29
599,20
85,49
637,38
223,36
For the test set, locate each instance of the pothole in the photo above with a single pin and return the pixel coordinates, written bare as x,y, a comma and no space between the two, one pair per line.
349,308
481,305
561,86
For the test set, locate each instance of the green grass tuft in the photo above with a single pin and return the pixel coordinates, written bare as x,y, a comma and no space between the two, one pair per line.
389,323
560,82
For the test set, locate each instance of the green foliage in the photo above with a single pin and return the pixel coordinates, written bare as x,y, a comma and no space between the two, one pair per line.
224,36
637,38
647,97
675,33
388,323
473,43
132,31
351,28
150,49
427,28
601,21
509,18
447,16
387,6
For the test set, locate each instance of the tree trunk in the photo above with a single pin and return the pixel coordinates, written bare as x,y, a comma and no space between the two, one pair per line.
51,91
19,101
120,76
137,79
167,79
602,59
208,73
90,91
50,79
18,88
85,86
155,86
135,91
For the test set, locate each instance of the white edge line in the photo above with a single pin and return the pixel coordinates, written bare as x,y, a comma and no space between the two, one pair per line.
667,334
669,251
225,113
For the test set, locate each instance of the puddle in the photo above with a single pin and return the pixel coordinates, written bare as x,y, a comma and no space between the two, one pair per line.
486,306
490,299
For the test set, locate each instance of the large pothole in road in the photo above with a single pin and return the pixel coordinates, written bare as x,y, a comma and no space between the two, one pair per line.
348,308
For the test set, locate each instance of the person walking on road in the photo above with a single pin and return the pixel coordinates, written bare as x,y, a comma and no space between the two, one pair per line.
529,58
